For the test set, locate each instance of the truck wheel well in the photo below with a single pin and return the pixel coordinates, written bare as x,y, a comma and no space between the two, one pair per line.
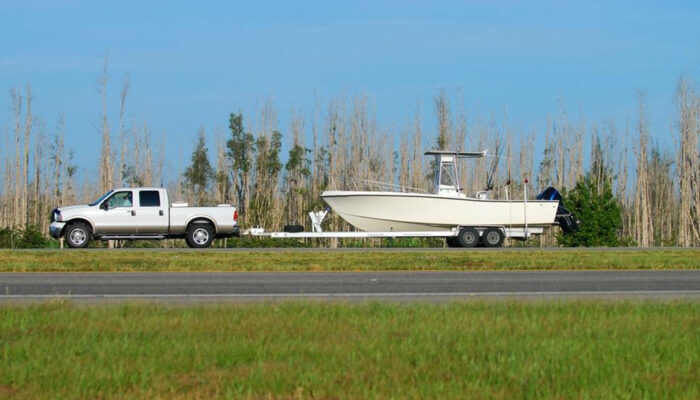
200,220
79,220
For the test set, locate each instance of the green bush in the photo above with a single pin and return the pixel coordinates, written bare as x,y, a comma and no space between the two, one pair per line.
6,238
599,213
28,237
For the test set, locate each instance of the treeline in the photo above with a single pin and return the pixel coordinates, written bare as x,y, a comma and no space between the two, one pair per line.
654,183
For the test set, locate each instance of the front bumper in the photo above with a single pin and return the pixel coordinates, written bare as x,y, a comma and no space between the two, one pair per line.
56,229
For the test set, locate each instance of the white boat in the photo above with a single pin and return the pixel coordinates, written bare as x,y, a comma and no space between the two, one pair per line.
446,208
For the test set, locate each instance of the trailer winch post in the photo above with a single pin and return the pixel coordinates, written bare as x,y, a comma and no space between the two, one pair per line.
317,218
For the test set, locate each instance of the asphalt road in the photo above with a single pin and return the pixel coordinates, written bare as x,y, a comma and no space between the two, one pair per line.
189,287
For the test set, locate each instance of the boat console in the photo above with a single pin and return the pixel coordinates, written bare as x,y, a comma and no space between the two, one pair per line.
446,171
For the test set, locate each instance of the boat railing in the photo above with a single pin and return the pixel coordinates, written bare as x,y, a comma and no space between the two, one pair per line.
369,185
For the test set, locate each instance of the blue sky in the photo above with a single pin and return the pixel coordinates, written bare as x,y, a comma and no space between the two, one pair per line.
191,63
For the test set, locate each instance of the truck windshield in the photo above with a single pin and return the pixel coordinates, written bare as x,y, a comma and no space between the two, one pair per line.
101,198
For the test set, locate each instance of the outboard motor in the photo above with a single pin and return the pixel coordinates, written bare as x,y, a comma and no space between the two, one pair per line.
565,218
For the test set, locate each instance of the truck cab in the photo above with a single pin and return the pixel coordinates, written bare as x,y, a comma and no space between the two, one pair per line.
142,211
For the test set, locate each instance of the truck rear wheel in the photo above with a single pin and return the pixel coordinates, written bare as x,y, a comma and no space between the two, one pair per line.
199,235
78,235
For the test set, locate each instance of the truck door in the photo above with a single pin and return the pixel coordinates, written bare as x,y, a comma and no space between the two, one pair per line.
116,215
152,213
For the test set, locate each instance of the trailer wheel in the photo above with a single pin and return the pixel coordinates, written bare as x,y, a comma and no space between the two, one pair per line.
468,237
492,237
78,235
453,242
199,235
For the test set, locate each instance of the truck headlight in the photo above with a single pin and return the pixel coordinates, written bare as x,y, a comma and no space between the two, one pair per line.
57,216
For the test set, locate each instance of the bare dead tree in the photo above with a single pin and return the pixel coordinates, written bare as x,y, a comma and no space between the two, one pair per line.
105,167
687,165
17,192
25,158
442,109
644,227
418,171
122,133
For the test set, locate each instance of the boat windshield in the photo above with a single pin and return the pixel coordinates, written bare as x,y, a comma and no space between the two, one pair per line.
446,178
104,196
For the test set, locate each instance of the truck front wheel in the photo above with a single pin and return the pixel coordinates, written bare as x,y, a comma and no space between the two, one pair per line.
199,235
78,235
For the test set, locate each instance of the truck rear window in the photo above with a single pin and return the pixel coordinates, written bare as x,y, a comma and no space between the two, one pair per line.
149,198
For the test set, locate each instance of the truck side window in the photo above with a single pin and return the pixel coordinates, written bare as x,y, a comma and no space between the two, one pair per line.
120,199
149,198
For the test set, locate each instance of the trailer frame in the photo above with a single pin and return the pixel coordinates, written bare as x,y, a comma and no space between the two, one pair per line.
317,218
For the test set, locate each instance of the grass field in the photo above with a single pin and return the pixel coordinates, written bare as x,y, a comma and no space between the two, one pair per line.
115,261
367,350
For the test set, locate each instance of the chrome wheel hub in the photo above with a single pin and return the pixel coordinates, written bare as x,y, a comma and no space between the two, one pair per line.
200,236
78,236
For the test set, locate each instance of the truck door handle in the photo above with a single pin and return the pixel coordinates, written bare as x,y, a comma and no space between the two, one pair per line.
160,213
133,212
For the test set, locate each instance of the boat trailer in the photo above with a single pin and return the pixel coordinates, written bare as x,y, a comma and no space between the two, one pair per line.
317,218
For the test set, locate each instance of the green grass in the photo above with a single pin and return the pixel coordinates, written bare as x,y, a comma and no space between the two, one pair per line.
76,260
568,349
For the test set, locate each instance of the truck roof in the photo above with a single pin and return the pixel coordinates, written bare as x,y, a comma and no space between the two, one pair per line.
138,188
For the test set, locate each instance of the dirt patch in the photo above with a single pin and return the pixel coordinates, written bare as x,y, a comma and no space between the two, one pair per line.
7,390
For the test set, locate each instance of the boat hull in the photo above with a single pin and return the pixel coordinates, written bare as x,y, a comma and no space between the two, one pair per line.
406,212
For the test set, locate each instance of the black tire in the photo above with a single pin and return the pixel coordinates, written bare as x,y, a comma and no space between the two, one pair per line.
77,235
492,237
452,242
468,237
200,235
294,228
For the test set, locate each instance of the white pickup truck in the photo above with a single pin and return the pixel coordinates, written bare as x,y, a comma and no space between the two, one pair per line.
142,213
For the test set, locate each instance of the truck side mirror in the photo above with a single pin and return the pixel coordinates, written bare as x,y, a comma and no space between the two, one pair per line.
105,206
